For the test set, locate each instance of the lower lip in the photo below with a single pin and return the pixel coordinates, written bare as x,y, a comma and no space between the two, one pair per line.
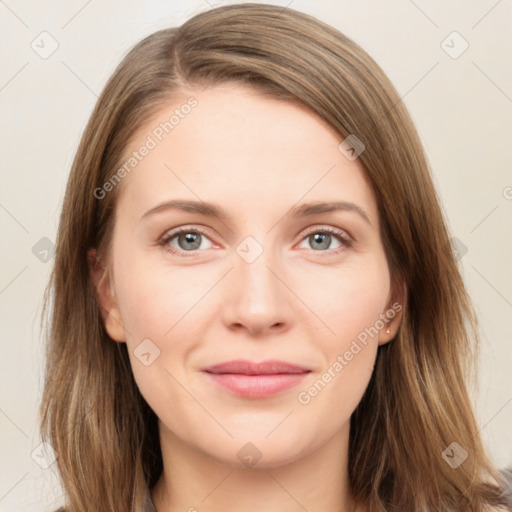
257,386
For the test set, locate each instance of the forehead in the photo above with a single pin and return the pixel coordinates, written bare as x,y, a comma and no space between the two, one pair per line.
236,146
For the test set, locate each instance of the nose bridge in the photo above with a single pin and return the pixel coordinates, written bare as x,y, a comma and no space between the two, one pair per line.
253,269
258,299
255,273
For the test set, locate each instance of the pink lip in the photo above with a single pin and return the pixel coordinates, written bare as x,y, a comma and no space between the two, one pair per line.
256,380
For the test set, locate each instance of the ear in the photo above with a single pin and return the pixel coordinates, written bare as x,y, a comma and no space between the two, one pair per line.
392,316
103,285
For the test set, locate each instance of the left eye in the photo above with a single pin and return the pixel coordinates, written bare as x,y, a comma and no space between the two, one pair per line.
321,239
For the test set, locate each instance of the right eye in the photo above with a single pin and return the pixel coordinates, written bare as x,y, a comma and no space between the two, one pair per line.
184,240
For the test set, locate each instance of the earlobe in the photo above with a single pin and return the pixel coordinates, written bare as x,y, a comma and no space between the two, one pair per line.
394,312
103,286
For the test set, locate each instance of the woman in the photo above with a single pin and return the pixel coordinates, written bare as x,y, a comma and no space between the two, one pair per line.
309,350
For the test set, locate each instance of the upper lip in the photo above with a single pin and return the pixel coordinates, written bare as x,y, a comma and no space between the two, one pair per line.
244,367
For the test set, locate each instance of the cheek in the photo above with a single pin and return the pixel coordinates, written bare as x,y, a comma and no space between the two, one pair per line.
350,302
163,306
154,300
349,298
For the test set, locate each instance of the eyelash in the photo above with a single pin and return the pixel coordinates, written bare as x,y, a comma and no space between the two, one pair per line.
342,237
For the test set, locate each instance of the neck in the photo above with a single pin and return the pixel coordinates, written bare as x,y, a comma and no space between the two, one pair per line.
194,481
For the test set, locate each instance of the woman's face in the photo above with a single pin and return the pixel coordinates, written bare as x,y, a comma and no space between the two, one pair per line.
268,279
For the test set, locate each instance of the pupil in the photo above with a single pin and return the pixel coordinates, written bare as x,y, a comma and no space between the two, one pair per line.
321,237
192,238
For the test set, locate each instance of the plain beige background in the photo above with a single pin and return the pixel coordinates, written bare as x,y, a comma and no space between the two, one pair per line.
457,86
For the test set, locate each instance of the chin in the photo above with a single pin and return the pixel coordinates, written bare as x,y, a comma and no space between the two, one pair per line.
260,452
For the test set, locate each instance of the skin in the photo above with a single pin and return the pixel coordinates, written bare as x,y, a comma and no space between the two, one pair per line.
256,157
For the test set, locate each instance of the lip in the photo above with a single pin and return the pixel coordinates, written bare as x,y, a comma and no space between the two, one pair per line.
256,380
270,367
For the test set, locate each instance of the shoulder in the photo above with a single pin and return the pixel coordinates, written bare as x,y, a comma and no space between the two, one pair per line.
506,474
506,483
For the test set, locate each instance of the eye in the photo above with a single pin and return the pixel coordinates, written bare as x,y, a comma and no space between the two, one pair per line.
185,240
189,240
321,239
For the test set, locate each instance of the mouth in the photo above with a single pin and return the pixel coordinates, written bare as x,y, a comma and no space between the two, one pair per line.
256,380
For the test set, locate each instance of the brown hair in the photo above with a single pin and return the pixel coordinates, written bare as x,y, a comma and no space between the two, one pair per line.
416,404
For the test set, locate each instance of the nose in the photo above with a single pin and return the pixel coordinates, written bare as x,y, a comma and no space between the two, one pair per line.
257,297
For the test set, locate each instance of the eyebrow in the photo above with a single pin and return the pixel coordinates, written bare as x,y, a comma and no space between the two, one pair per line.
216,211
